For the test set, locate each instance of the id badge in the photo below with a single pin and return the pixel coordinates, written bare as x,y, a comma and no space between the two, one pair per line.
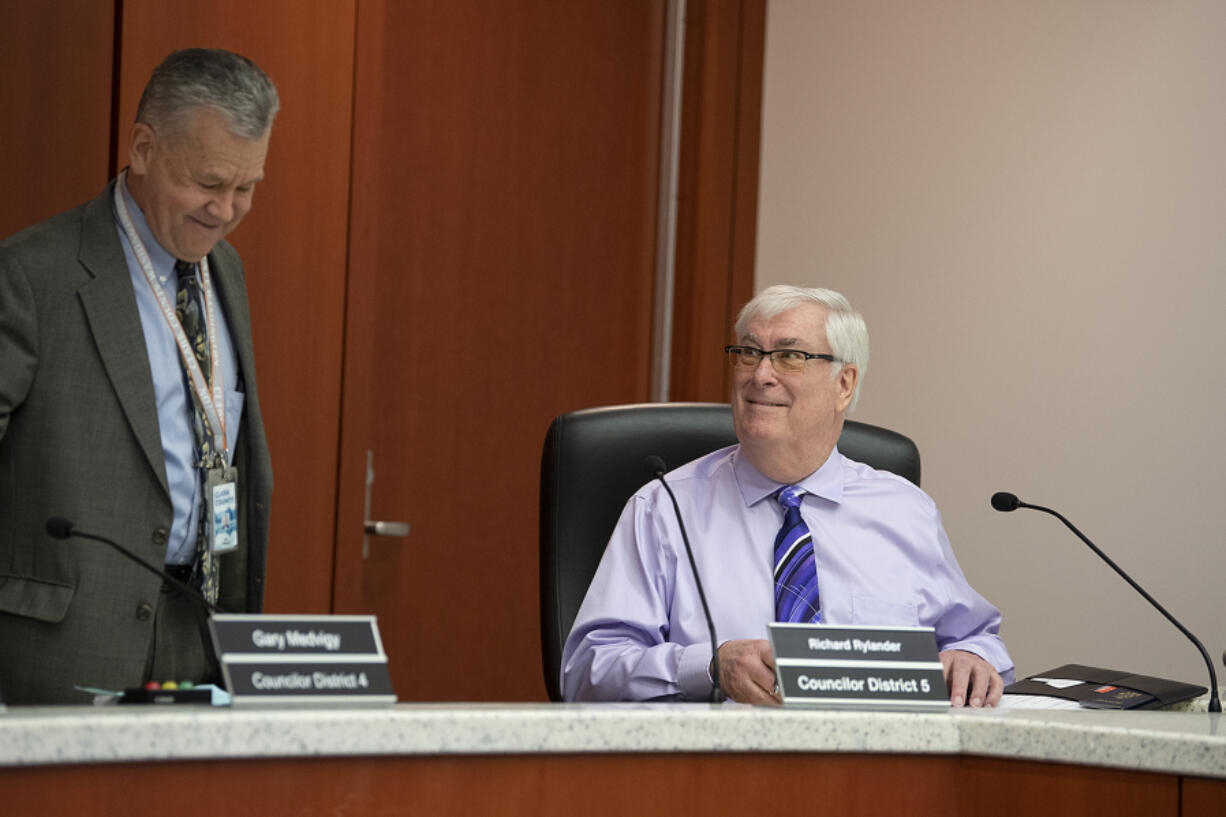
221,497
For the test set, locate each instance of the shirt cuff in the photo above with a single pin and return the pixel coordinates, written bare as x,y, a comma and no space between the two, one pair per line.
693,672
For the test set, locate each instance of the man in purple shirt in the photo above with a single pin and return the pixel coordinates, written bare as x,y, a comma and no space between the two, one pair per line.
882,556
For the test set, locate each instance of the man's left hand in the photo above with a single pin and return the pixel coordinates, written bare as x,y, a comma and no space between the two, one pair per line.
971,680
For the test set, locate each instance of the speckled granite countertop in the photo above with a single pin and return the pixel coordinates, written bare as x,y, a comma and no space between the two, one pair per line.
1190,743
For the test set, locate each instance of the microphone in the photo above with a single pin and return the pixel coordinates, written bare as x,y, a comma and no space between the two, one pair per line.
60,528
655,467
1005,502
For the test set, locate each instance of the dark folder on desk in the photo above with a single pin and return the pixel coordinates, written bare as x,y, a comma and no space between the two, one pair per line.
1106,688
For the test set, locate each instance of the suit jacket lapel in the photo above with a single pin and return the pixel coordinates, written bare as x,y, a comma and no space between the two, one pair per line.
251,450
110,308
228,280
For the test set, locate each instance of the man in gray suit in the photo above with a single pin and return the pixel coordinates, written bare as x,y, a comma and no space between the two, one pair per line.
128,401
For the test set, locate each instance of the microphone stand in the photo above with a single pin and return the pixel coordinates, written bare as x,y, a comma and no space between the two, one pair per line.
61,528
1007,502
655,467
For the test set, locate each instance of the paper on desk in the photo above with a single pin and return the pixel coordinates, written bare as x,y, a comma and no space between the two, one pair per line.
1057,683
1035,702
1015,701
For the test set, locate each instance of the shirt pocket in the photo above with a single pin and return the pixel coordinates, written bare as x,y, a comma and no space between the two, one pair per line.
865,610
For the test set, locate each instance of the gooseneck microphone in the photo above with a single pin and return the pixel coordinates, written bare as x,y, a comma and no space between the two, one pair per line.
61,528
655,467
1005,502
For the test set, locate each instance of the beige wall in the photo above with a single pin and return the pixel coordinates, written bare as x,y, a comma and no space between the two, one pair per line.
1027,201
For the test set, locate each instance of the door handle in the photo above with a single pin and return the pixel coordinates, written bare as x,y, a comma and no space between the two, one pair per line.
372,527
387,528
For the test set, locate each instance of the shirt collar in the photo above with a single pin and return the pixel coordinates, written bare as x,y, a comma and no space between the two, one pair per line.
826,482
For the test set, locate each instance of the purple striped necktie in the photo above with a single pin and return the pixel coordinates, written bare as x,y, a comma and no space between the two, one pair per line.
796,596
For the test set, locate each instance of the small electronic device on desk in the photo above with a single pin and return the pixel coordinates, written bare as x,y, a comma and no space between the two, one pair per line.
168,692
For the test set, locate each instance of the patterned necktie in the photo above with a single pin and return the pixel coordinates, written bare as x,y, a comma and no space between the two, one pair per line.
187,307
796,596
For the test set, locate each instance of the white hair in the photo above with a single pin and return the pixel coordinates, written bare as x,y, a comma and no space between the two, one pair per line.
846,331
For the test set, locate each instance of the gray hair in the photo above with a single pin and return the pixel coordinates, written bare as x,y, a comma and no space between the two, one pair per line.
210,77
846,331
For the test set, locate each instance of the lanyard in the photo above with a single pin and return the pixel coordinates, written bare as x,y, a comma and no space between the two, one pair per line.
212,401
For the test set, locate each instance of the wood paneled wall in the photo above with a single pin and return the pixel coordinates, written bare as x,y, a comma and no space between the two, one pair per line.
717,214
55,93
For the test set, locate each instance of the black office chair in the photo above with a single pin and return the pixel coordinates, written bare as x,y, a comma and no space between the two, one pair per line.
593,462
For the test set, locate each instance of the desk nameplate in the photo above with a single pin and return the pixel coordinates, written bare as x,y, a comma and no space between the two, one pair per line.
302,660
833,666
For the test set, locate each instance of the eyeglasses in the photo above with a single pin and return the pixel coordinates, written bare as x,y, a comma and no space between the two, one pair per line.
784,360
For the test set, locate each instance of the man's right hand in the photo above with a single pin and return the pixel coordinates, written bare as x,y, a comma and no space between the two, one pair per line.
747,671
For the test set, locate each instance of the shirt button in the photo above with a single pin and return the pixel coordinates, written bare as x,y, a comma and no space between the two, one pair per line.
144,610
161,536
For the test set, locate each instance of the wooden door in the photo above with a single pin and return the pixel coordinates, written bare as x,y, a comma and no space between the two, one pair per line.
502,245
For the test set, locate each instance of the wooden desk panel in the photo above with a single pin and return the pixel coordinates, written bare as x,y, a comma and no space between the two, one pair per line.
1202,798
602,784
1006,787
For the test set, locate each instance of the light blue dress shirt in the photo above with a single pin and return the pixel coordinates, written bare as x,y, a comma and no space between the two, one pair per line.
171,389
882,558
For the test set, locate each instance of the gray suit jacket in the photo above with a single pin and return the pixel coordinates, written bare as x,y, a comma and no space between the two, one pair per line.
79,438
